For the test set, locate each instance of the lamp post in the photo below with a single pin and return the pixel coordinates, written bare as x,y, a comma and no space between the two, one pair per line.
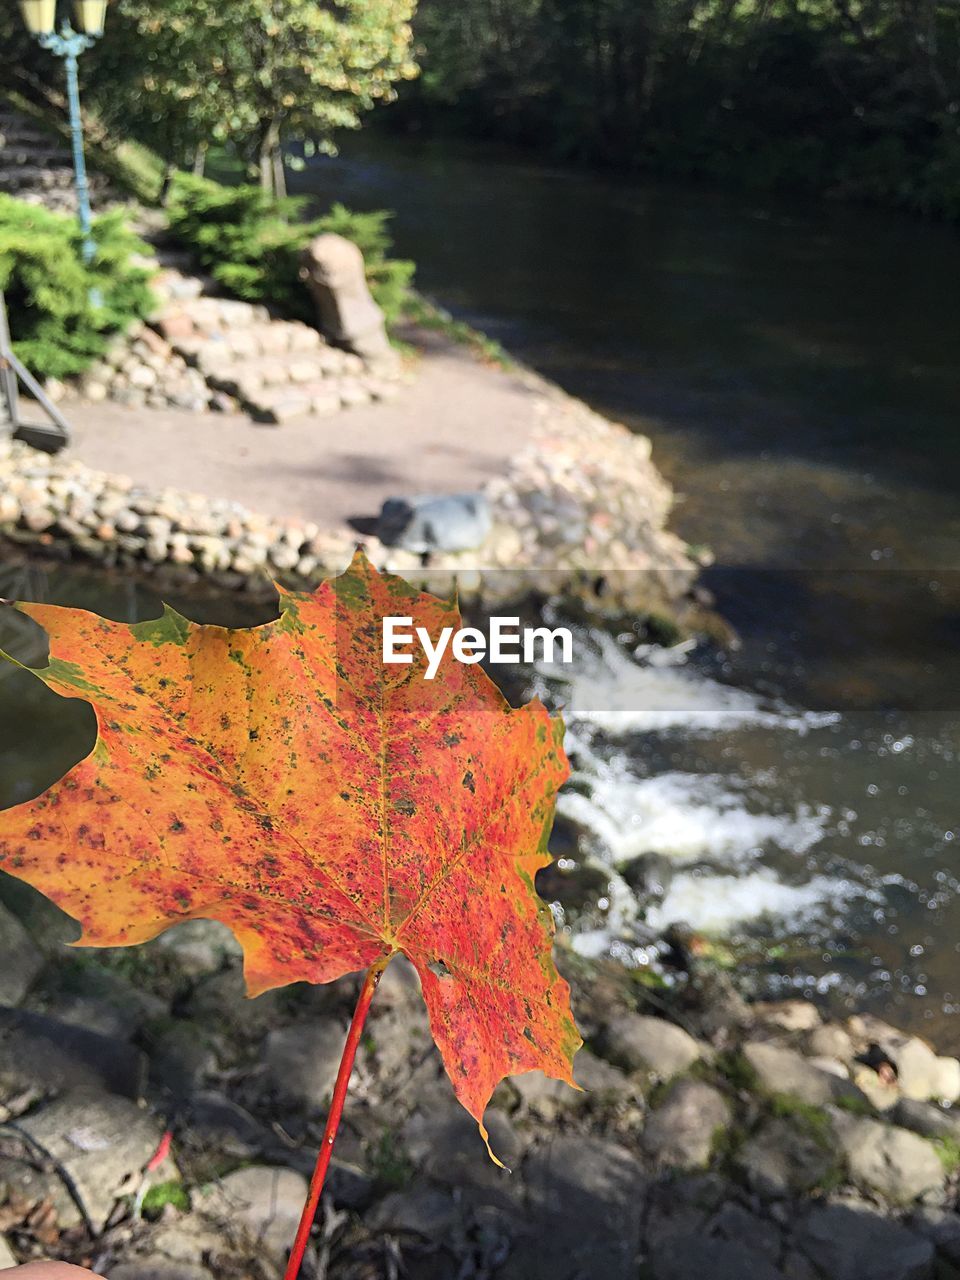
40,19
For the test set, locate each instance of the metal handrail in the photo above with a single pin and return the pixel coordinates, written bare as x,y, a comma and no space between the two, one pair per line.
50,438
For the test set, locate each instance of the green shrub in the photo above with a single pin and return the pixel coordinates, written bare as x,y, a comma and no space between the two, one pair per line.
63,312
250,243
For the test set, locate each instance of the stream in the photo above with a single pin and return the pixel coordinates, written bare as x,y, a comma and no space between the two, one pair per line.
795,368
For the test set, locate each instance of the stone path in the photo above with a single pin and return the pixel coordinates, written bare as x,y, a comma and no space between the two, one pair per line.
456,426
36,165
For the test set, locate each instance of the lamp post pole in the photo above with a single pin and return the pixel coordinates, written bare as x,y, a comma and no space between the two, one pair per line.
69,44
40,19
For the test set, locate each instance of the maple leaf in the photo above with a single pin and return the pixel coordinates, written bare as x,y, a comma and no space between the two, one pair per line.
333,811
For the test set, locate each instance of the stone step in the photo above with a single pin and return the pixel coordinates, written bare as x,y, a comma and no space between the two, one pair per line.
21,135
40,157
244,377
258,347
35,176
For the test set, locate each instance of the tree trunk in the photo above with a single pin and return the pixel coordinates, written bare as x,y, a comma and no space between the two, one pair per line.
270,155
279,175
168,171
200,159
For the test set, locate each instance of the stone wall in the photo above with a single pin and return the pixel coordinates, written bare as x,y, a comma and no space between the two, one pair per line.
581,499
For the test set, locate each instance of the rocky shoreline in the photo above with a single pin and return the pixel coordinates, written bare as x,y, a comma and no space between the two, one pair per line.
581,501
713,1136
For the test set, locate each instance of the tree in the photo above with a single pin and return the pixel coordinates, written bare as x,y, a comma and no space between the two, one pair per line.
250,72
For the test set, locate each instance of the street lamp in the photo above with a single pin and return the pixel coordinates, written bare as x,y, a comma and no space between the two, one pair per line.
40,17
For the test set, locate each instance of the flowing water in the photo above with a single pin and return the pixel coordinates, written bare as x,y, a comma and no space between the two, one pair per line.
796,370
796,367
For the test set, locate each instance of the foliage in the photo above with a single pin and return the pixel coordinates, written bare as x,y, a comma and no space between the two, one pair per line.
389,1163
63,312
418,310
248,72
855,97
948,1149
158,1197
250,242
331,811
809,1119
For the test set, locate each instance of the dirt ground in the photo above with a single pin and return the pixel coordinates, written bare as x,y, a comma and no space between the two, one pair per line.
454,426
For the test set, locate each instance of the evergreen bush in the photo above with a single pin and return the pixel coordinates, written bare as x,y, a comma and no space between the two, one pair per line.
62,311
250,243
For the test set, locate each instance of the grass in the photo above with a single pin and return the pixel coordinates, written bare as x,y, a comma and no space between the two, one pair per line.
737,1071
164,1193
389,1163
856,1105
811,1120
948,1149
420,311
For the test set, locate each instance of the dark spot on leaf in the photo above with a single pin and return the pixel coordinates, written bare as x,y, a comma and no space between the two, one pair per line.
469,783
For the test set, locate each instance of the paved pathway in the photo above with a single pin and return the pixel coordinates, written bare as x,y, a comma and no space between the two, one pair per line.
454,427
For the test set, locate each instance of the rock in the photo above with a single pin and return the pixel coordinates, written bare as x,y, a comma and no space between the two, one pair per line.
423,1210
22,959
220,1001
333,269
280,408
158,1267
198,946
882,1094
925,1118
585,1199
602,1083
93,1015
781,1160
738,1225
543,1096
690,1258
830,1041
399,987
37,1052
921,1074
681,1133
266,1202
459,522
898,1165
832,1066
788,1015
849,1241
32,1180
445,1144
100,1141
181,1058
216,1122
640,1043
784,1071
302,1061
942,1226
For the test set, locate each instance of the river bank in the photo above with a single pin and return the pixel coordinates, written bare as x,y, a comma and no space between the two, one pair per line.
187,495
748,1139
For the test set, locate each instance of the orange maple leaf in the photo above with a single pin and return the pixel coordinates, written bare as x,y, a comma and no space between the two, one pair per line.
332,810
